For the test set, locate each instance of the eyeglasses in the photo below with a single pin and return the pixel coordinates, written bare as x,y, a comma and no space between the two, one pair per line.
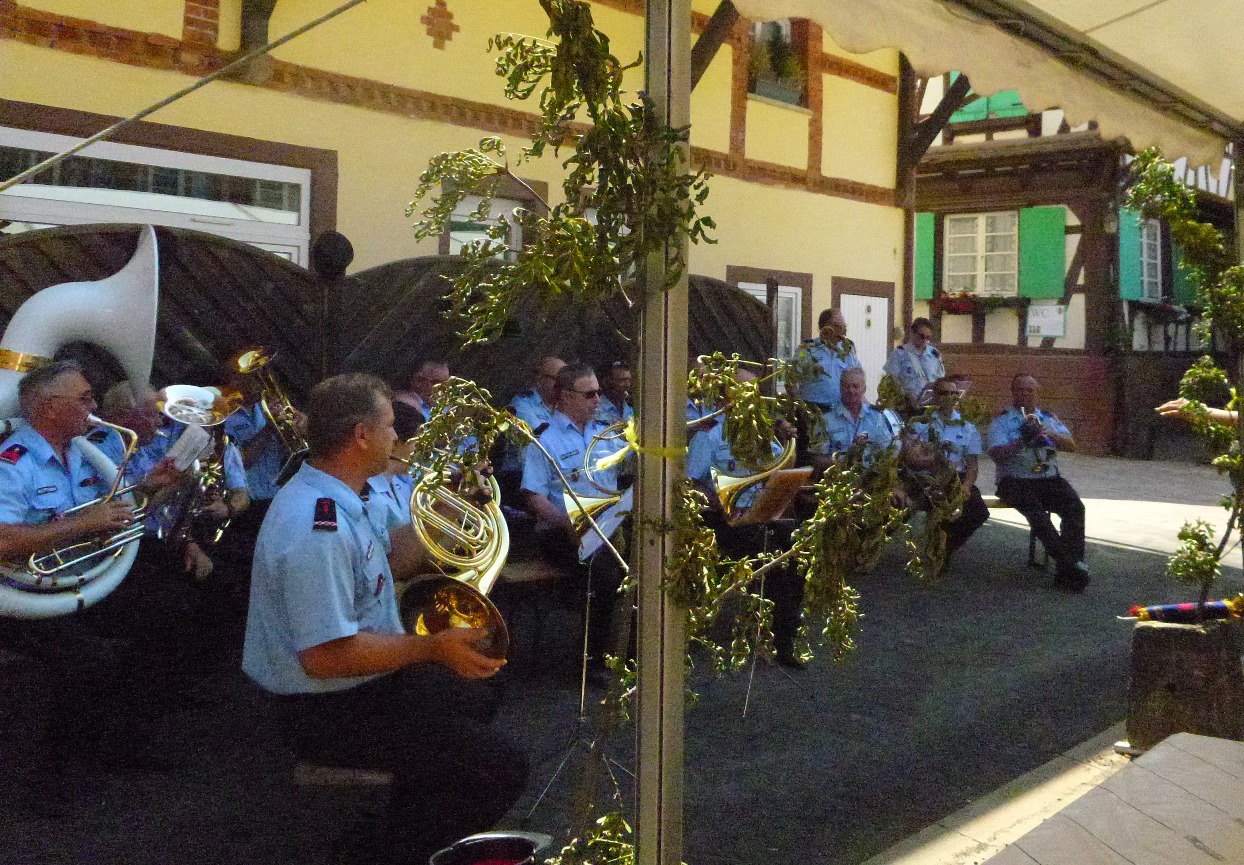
588,394
945,393
85,399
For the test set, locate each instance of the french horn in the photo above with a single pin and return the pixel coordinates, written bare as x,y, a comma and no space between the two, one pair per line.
117,313
469,542
730,487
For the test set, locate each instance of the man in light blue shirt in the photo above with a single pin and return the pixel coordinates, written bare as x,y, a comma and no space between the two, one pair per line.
822,361
852,421
615,386
960,441
324,632
1024,442
917,363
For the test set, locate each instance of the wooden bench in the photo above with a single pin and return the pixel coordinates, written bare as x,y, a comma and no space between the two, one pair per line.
995,503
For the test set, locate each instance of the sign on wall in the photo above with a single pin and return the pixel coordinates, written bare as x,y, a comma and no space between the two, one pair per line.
1047,320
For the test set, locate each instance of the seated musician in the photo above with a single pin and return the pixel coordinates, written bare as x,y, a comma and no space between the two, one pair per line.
960,441
708,450
324,636
570,433
852,421
43,473
615,394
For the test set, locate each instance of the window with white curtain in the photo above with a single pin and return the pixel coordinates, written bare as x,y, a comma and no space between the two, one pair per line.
982,254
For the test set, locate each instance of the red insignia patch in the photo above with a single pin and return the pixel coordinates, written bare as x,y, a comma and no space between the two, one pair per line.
12,454
325,515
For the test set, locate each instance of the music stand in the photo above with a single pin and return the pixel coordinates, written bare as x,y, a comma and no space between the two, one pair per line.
775,497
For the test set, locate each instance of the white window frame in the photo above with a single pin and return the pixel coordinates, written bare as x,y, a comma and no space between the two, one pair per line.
980,255
790,315
1151,260
460,237
54,205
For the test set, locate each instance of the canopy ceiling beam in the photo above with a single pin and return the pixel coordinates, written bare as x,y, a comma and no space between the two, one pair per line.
1073,48
715,34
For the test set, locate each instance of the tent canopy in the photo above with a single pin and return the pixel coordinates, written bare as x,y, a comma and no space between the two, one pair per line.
1165,72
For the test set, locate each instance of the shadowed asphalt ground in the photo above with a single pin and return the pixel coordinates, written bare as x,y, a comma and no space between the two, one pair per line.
957,687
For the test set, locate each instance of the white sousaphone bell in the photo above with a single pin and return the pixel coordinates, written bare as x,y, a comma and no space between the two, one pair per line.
119,314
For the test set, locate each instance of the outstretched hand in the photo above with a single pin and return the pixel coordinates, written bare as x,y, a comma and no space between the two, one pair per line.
454,649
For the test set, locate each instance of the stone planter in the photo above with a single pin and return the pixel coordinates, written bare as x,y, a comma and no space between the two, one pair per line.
1184,679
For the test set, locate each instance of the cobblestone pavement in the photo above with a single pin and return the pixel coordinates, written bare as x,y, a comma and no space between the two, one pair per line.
956,687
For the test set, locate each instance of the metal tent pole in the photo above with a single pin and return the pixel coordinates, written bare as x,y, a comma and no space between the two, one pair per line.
662,419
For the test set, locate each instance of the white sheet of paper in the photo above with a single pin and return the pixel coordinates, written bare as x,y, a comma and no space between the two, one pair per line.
188,446
608,522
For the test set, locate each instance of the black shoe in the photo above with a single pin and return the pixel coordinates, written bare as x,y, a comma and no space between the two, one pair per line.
1073,580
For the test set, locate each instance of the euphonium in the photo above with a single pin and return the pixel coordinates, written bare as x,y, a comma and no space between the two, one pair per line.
208,408
276,406
470,543
71,578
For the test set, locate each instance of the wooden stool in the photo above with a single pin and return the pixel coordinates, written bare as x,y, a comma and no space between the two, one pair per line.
995,503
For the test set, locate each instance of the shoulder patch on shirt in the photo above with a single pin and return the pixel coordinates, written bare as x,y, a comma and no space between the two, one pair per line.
97,436
13,453
325,515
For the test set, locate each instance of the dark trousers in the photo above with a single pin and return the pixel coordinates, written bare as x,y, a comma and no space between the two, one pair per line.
453,775
975,514
783,585
1036,500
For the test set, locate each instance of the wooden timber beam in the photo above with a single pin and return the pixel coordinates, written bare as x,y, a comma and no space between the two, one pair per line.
716,33
255,17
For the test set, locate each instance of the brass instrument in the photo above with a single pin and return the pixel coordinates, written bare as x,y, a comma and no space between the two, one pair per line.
206,407
470,542
729,487
276,406
1040,444
75,565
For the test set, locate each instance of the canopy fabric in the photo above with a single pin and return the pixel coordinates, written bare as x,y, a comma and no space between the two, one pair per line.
1189,45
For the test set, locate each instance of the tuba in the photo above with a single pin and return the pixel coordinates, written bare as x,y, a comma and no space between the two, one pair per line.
119,314
273,401
470,543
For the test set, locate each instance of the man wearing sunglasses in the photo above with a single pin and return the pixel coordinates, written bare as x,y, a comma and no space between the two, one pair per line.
570,433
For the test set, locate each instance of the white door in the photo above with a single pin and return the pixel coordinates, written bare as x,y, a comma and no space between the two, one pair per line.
868,326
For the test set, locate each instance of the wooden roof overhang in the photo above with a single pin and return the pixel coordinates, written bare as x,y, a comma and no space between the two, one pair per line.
1019,172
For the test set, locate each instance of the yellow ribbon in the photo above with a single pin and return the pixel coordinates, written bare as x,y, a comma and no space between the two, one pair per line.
631,434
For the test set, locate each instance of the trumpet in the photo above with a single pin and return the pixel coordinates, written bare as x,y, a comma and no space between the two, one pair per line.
275,404
470,543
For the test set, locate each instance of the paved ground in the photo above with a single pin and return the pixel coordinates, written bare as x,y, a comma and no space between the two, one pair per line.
957,688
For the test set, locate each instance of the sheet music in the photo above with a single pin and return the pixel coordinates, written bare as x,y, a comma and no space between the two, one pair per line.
608,522
188,446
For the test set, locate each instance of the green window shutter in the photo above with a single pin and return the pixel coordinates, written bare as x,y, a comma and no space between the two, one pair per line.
976,109
1006,104
1182,288
1130,286
1042,252
924,256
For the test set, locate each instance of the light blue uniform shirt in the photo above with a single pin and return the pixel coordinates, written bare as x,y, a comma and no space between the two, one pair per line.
709,450
568,446
827,386
310,586
388,504
530,407
842,428
959,438
242,426
915,370
608,413
1005,429
35,485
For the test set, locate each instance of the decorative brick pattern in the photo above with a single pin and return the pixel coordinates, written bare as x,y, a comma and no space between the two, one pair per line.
440,24
154,51
201,24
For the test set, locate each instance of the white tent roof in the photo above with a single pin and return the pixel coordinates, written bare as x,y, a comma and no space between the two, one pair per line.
1166,72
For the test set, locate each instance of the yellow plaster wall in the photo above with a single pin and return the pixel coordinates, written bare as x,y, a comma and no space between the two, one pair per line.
957,328
710,104
883,59
854,144
775,228
777,133
147,16
230,34
1002,326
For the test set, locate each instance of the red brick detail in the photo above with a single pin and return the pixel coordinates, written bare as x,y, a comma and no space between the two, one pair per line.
201,22
832,64
154,51
440,24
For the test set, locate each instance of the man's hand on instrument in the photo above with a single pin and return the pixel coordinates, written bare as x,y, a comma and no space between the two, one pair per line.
454,649
216,510
198,564
163,474
106,518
